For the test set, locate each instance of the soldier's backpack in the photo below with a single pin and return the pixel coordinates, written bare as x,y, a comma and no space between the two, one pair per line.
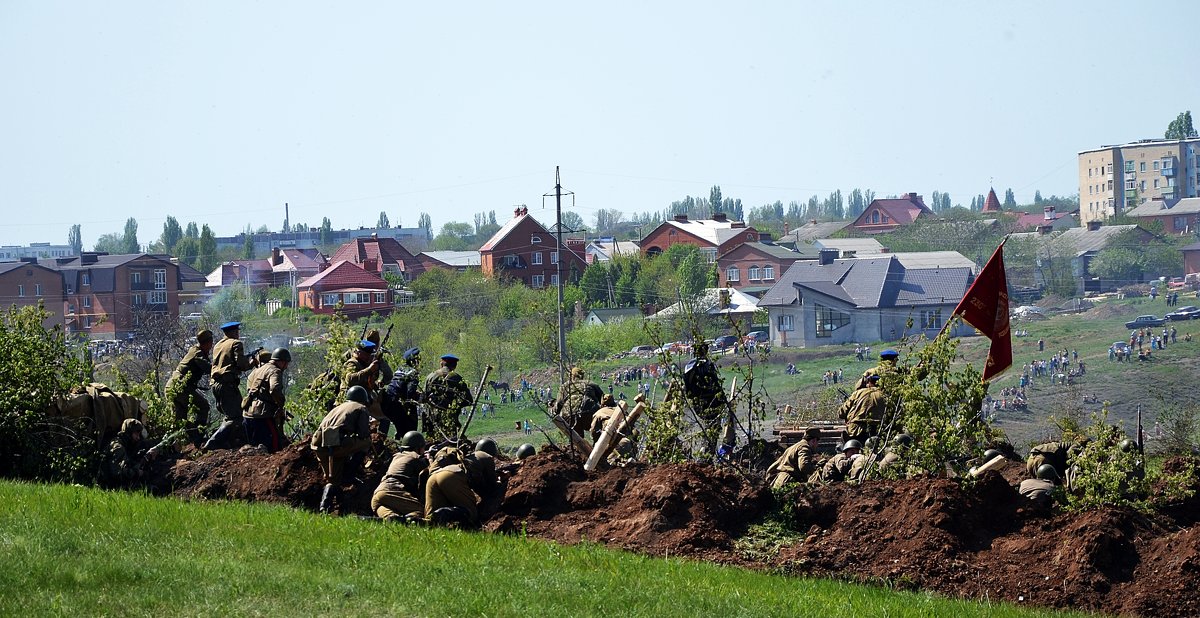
440,394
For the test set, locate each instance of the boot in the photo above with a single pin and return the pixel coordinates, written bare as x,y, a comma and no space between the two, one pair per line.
327,496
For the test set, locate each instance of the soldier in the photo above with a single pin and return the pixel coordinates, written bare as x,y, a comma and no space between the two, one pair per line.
1040,489
702,385
577,401
1057,454
525,451
797,463
608,409
837,469
263,413
399,399
887,364
229,361
446,393
185,382
863,411
345,431
385,368
123,461
401,492
448,496
481,472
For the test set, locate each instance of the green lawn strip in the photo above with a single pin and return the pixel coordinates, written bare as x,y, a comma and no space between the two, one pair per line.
72,550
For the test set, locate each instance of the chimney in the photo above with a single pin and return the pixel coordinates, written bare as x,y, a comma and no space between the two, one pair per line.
681,218
786,228
1044,229
1049,210
812,221
276,256
911,196
524,210
1093,225
370,265
827,256
737,224
720,216
374,236
90,257
724,300
516,212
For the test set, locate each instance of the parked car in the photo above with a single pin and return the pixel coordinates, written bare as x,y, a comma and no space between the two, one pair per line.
724,342
1142,321
642,350
300,342
1190,312
758,336
1120,347
193,317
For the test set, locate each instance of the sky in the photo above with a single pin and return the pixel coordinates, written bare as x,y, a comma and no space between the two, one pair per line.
222,112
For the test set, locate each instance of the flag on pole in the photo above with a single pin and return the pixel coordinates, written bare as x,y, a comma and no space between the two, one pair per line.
985,306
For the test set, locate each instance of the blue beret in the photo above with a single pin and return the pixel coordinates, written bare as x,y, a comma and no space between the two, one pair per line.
366,345
874,377
449,357
229,325
411,353
889,353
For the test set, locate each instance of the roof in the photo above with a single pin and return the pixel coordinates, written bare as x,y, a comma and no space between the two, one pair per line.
878,281
1028,220
713,231
298,259
508,228
190,275
901,210
344,275
609,247
992,203
455,258
1081,239
709,302
857,245
934,259
604,315
929,286
1158,208
813,230
770,249
11,266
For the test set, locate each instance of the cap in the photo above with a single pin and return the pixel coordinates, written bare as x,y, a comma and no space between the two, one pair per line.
449,357
874,377
366,345
411,354
889,353
204,336
229,325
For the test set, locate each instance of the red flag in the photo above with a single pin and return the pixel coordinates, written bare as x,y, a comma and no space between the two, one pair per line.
985,306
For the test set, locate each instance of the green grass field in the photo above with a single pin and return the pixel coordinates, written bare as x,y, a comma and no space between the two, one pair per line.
75,551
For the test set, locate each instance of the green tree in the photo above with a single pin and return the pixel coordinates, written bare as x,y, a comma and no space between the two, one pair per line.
1010,200
109,243
208,250
714,198
572,222
171,234
1181,127
248,244
188,251
693,274
262,229
595,284
424,222
129,241
192,231
326,231
455,236
75,239
383,221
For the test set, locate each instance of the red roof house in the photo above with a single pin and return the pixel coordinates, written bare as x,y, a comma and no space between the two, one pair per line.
714,237
885,215
345,288
525,250
380,255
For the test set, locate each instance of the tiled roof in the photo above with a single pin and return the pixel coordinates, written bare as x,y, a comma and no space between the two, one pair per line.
992,203
299,260
342,275
711,230
934,259
928,286
383,250
862,246
1158,208
813,230
767,249
507,229
1080,239
455,258
880,281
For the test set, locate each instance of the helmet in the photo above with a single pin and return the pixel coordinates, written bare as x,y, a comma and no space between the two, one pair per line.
263,357
1046,472
131,426
488,446
1127,445
358,394
840,446
525,451
412,440
903,439
281,354
852,444
873,443
991,454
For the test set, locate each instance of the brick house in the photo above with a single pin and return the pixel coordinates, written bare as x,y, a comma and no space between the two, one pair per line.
104,295
752,267
380,255
345,288
885,215
459,261
1177,216
713,236
26,283
525,250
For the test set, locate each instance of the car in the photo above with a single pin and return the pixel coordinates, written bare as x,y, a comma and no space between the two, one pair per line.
193,317
1120,347
1190,312
300,342
642,350
757,336
1142,321
724,342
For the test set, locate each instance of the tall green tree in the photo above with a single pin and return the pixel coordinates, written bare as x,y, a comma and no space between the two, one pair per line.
192,231
1181,127
383,221
75,239
171,234
572,222
109,243
248,244
208,249
129,241
425,223
1010,200
714,197
326,231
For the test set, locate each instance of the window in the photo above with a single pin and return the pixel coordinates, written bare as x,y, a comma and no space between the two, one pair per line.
1181,223
535,239
537,281
785,323
87,321
1168,163
158,297
1110,185
752,273
733,274
875,217
1109,168
1142,167
135,277
87,302
885,219
21,290
137,299
329,300
537,258
1142,187
357,298
380,298
512,261
86,279
160,279
1129,166
768,272
1156,165
553,257
71,309
554,279
829,319
710,255
1155,184
1130,185
931,319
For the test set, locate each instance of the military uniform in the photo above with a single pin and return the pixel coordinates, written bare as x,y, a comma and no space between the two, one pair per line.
188,396
481,473
600,418
449,486
402,489
122,464
796,464
1038,490
836,470
1053,453
345,431
446,393
229,361
884,368
577,401
266,400
863,412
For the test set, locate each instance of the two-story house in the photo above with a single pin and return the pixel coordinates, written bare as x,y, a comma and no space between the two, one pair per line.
347,288
887,214
105,296
525,250
713,236
752,267
25,283
380,255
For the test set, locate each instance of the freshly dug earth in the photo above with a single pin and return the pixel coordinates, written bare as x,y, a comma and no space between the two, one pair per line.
982,542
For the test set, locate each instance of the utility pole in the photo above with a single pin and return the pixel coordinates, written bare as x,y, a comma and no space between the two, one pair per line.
562,333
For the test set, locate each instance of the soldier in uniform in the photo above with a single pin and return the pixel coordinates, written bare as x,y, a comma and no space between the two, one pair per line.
863,411
702,385
482,474
123,461
837,469
229,361
608,409
887,364
1041,489
525,451
362,369
446,393
185,382
401,491
345,431
264,412
449,499
402,394
1057,454
577,401
797,463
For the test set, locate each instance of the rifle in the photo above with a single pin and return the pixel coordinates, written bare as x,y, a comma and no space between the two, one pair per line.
462,433
363,335
379,356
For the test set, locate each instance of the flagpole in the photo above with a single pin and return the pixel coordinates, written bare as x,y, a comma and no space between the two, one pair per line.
956,313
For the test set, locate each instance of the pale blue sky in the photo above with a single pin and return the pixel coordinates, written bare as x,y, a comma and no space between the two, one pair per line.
220,112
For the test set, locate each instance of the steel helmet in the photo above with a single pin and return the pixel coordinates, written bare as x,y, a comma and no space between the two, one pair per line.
852,444
903,439
358,394
412,440
525,451
1046,472
991,454
281,354
488,446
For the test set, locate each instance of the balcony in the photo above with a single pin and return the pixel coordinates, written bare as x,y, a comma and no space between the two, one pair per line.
1168,171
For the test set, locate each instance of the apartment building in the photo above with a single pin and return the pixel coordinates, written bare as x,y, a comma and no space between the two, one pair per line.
1118,178
105,296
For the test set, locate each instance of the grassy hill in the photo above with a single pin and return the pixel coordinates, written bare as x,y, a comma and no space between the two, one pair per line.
71,550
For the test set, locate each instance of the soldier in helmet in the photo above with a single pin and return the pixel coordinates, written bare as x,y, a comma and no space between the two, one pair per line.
345,431
185,383
863,411
525,451
263,412
577,401
702,386
837,469
123,462
1041,489
447,394
400,398
1057,454
797,463
608,409
449,500
482,473
401,492
229,361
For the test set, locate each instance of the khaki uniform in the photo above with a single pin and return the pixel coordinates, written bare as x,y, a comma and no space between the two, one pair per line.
795,465
186,381
884,368
600,418
344,431
577,402
836,470
863,412
121,465
1039,490
450,486
481,472
1053,453
229,361
402,489
447,394
357,373
264,390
